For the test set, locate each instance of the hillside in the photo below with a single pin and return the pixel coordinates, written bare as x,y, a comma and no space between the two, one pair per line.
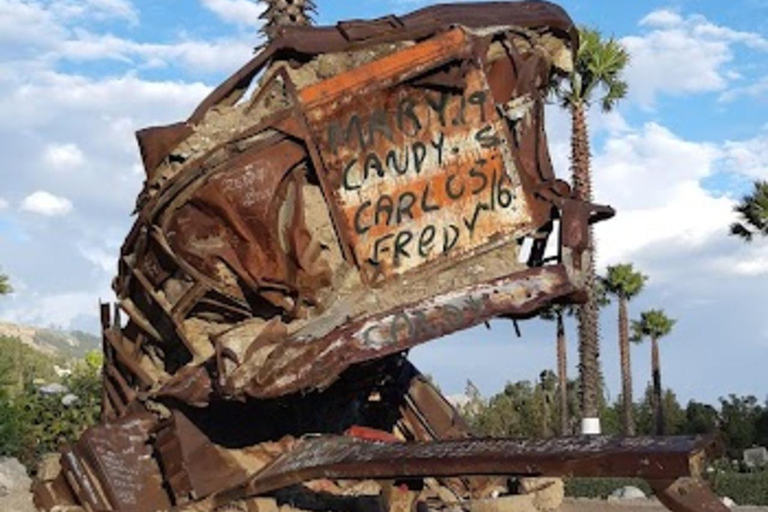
53,342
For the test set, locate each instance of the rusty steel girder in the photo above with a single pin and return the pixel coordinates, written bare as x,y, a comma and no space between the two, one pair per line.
384,184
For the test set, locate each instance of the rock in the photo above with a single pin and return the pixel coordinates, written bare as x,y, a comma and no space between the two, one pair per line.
728,502
14,487
628,492
548,493
13,476
49,467
53,389
69,400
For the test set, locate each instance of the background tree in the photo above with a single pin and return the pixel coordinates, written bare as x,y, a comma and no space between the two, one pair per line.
5,285
753,213
700,418
596,77
282,13
556,313
625,283
654,324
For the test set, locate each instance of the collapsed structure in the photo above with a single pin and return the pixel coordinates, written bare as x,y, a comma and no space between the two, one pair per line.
351,192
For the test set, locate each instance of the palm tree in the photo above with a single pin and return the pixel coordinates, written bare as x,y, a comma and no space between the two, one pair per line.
654,324
596,77
281,13
753,210
623,282
555,313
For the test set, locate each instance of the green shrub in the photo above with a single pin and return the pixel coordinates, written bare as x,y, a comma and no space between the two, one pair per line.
32,423
601,487
743,488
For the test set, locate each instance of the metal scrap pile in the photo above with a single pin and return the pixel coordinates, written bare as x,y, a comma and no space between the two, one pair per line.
351,192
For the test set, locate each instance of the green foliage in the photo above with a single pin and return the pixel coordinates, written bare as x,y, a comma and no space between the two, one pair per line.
523,409
601,487
739,420
5,285
700,418
33,423
599,66
753,213
654,324
743,488
624,281
21,363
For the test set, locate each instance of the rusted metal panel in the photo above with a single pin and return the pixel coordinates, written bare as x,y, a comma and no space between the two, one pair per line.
114,467
302,362
687,495
415,174
592,456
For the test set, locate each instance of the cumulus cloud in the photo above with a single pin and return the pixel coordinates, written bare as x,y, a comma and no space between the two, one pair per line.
95,9
243,13
222,55
748,157
3,204
757,90
62,310
47,204
683,55
48,33
63,156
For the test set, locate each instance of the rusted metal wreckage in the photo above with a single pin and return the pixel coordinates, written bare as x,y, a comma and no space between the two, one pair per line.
351,192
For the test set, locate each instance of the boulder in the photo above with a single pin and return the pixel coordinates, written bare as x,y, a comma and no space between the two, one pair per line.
728,502
14,487
628,492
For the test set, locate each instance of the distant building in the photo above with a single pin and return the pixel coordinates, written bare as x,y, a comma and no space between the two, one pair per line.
756,457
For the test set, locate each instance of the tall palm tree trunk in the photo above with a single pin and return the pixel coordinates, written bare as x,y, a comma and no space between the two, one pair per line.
562,375
626,370
589,344
658,409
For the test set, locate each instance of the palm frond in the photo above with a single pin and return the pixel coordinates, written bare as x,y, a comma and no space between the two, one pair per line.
599,65
652,324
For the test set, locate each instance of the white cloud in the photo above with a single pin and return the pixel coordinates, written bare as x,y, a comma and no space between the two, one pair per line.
46,33
63,156
662,18
642,168
757,90
95,9
45,203
59,309
3,204
103,259
683,55
223,55
748,157
244,13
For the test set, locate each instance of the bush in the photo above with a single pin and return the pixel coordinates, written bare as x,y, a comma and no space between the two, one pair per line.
33,423
601,487
743,488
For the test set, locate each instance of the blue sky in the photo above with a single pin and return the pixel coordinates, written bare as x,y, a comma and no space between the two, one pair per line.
78,77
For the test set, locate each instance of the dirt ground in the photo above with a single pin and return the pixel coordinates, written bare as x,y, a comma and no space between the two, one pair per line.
583,505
